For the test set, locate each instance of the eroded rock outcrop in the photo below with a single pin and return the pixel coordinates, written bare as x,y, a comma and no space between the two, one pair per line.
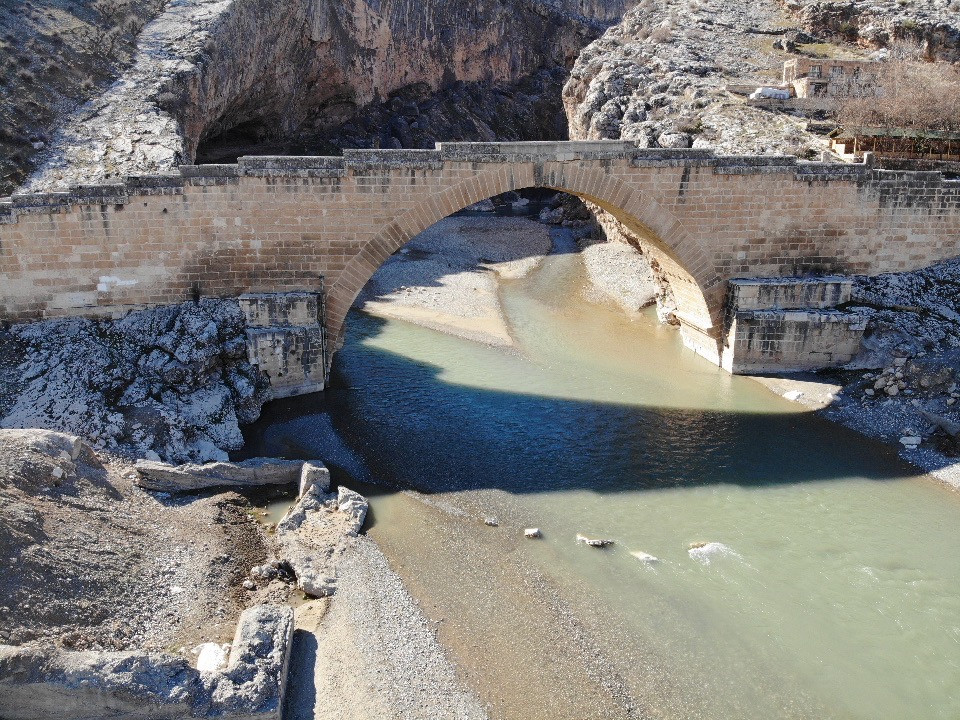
170,383
208,66
49,683
315,533
933,25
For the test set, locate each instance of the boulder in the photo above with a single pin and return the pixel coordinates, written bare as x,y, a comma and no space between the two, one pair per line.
211,657
593,542
532,533
48,442
255,680
314,533
163,477
314,473
39,684
354,505
674,140
645,557
950,427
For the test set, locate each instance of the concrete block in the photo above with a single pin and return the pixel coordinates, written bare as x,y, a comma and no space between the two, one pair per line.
314,474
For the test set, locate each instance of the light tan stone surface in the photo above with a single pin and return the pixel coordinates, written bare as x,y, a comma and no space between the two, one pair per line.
279,224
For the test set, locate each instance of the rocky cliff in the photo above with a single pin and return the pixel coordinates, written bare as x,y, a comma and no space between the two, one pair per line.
271,68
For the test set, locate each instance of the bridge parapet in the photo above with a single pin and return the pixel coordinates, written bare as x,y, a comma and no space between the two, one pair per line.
359,162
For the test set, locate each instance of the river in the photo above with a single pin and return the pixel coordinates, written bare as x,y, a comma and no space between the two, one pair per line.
830,589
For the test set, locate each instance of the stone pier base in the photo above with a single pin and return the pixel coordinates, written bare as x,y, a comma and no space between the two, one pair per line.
286,340
790,325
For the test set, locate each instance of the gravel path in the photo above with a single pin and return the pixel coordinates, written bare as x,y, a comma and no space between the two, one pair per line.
369,652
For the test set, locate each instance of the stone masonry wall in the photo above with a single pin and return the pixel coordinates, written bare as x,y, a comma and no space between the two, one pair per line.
282,224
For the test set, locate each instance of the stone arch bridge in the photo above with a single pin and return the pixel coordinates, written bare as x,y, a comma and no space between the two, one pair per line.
270,224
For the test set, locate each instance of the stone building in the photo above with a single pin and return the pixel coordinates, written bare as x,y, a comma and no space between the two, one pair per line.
821,77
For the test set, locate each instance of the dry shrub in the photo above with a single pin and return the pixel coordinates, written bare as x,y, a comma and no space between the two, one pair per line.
909,95
662,34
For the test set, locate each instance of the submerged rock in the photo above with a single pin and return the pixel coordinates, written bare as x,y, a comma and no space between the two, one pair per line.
645,557
593,542
703,552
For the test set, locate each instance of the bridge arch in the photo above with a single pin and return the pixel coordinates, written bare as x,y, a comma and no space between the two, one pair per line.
683,263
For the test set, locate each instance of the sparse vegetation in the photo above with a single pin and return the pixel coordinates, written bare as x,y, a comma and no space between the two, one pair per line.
909,95
53,55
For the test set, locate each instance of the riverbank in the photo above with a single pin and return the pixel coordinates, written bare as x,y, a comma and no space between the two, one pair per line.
92,562
369,652
447,277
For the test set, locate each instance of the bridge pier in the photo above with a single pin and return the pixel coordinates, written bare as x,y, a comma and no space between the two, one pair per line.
789,324
286,340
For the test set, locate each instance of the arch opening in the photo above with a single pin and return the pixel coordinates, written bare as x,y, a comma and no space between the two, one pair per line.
662,238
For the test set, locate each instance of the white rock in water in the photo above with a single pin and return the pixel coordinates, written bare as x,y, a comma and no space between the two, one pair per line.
211,657
532,533
910,441
645,557
703,552
793,395
491,521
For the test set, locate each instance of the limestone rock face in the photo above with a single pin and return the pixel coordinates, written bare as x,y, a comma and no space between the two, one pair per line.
660,73
658,77
170,383
935,26
269,66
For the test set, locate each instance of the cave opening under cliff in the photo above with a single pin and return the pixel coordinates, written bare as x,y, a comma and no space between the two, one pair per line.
414,117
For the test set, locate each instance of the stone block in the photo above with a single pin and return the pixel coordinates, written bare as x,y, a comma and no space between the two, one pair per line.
266,310
163,477
788,293
792,341
49,684
292,358
314,474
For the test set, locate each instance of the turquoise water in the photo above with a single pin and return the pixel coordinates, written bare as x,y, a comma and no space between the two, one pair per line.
830,591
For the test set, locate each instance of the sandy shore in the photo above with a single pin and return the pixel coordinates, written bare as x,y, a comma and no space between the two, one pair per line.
369,652
447,277
618,273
